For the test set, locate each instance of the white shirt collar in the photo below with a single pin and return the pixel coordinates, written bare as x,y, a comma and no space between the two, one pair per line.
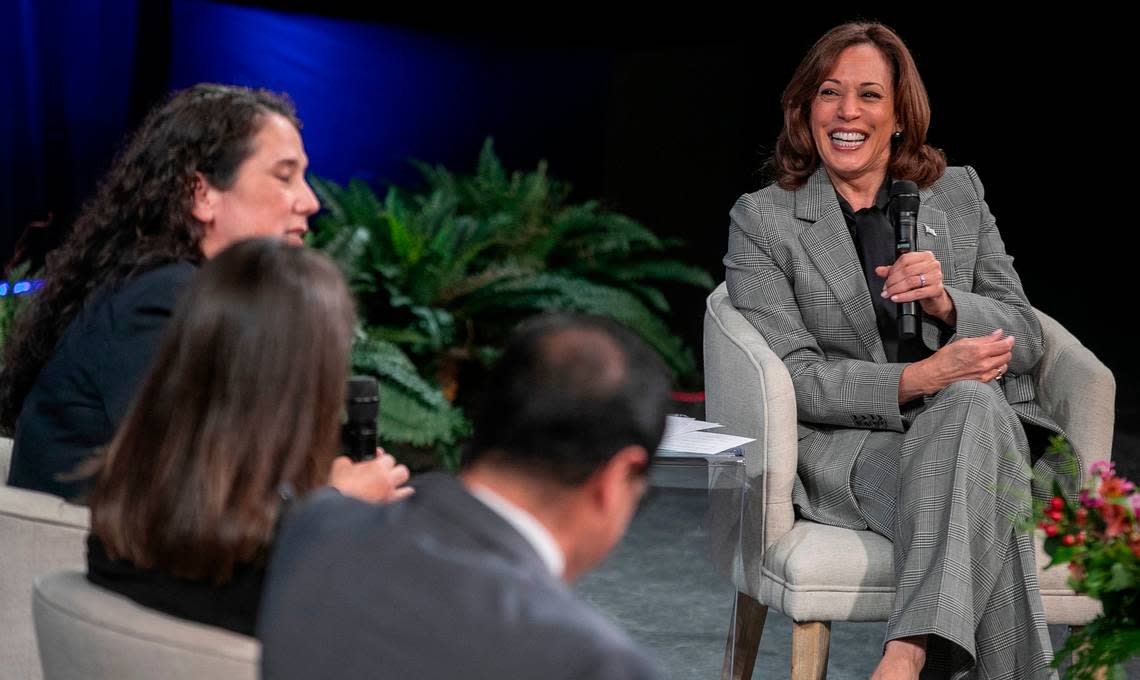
531,529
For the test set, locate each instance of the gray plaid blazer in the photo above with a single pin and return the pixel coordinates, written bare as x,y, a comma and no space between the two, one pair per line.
793,271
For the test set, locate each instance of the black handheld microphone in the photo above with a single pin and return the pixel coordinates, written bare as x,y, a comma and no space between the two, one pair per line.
904,218
358,434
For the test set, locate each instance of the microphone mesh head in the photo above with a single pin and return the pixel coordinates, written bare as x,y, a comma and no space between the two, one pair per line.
904,196
363,401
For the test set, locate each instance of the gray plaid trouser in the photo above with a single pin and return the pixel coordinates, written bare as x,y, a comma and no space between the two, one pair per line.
948,493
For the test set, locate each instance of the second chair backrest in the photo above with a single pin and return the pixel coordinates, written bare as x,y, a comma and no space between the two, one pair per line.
38,534
88,633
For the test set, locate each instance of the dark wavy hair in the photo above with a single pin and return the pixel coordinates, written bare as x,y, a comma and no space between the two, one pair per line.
796,157
139,216
245,394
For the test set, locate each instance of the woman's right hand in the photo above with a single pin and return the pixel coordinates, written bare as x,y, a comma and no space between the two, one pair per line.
982,359
379,480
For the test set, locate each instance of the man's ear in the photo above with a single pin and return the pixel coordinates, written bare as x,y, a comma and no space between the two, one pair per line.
203,199
612,481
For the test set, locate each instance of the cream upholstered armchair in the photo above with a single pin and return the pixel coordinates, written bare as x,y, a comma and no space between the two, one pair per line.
38,533
88,633
814,573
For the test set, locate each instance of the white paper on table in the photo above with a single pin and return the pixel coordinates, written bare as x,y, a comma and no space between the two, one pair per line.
702,442
679,425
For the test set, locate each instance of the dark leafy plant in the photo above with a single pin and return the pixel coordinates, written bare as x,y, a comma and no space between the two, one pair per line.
412,410
448,270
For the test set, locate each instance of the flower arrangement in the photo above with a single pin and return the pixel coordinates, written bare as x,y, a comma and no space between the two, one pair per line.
1099,538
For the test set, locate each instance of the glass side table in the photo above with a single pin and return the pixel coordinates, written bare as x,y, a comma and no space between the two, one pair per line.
671,582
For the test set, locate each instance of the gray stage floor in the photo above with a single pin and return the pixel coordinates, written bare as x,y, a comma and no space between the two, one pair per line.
660,587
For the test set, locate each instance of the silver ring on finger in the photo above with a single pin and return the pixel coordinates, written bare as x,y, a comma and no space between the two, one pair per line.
922,280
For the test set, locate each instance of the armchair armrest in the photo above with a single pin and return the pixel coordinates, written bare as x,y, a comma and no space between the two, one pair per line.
1077,390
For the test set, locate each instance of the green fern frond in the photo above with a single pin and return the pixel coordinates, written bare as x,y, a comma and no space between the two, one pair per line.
489,172
553,292
384,360
659,270
405,419
411,410
651,296
597,234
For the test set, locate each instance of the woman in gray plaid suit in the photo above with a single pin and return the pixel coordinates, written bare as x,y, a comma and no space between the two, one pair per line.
922,440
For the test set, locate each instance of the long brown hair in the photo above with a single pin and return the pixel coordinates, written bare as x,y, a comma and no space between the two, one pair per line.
244,396
796,157
139,216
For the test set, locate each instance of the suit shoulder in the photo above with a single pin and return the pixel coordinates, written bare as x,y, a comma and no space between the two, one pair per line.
760,212
956,185
159,286
146,300
327,516
769,197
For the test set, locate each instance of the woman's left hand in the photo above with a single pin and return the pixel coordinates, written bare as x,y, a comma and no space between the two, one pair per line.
380,480
917,277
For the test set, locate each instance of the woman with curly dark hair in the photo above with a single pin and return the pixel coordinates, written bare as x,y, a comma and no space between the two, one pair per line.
213,165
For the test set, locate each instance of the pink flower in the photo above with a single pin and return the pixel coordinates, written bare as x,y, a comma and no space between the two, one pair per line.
1117,520
1102,468
1090,501
1113,487
1134,501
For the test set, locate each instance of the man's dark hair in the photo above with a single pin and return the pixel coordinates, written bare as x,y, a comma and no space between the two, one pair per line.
568,393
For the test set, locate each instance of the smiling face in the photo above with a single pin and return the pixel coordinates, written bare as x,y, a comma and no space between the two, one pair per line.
853,116
269,196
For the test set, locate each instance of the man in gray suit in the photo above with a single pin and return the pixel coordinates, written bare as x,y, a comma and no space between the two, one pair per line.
467,578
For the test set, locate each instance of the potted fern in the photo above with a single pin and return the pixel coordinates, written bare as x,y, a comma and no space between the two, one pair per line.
444,272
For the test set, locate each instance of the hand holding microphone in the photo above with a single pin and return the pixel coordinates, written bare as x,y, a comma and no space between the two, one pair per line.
378,480
365,471
916,276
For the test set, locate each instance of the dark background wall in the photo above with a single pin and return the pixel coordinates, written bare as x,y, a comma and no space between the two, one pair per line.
667,119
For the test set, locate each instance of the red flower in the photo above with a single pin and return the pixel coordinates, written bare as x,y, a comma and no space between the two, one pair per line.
1069,539
1050,530
1082,516
1057,503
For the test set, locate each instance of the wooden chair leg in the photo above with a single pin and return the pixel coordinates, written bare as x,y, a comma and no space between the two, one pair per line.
1100,673
744,633
1074,629
810,643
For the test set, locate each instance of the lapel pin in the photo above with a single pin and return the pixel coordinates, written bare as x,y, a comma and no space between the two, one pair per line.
929,230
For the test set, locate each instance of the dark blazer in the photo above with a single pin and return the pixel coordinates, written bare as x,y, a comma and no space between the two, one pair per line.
437,586
83,391
792,270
